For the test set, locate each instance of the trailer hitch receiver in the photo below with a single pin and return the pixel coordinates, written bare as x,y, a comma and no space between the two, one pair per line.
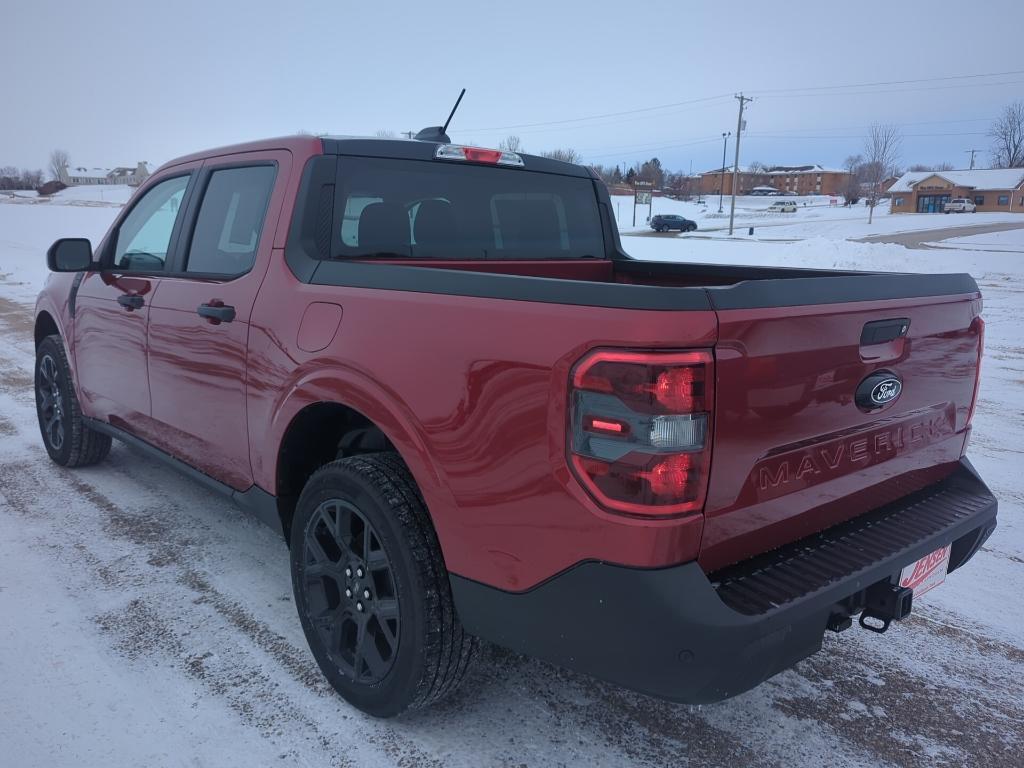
886,603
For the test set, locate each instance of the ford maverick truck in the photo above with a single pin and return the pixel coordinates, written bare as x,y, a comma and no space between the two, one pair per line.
436,372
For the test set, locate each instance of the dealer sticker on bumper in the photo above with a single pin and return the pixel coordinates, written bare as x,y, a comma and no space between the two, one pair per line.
927,573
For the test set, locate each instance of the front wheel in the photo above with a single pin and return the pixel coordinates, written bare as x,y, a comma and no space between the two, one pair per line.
372,590
67,439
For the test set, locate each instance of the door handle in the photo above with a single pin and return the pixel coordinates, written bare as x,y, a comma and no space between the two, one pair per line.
882,331
216,312
131,301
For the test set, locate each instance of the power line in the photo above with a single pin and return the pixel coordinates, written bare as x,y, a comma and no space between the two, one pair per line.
652,149
892,90
788,131
598,117
859,136
891,82
806,91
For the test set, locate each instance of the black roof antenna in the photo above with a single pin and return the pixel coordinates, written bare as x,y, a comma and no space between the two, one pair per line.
437,132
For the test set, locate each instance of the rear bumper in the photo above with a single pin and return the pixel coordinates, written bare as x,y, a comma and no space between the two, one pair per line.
681,635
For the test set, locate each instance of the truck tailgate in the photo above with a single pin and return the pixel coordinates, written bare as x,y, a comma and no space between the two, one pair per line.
793,451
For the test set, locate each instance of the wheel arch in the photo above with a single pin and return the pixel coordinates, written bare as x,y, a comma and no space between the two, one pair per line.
45,325
322,430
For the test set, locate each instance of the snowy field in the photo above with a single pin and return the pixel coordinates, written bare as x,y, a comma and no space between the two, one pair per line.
147,622
814,217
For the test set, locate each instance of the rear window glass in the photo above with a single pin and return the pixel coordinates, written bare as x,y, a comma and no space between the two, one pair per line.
446,210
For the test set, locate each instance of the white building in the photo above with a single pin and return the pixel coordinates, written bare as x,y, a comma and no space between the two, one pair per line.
80,175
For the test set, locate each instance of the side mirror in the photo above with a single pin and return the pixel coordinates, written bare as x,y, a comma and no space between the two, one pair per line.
69,254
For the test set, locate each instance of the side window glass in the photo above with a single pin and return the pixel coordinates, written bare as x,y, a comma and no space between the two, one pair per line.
230,220
145,234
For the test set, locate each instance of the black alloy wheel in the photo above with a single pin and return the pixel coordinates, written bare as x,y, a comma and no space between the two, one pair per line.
67,436
51,402
350,589
371,587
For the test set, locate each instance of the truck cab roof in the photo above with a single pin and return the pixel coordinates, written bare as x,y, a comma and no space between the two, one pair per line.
369,146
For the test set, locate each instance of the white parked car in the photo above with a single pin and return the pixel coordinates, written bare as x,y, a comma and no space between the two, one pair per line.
783,206
960,205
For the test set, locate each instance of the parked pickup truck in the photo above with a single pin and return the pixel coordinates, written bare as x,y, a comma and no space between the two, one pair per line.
960,205
471,414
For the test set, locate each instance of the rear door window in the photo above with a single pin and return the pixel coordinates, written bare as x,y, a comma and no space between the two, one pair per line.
444,210
230,220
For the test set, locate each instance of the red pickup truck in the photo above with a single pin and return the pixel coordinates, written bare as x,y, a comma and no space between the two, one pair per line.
436,372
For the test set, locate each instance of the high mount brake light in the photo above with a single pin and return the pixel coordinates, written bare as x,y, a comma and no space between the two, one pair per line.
640,432
478,155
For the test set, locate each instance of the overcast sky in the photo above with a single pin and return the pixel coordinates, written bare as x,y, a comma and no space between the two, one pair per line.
116,82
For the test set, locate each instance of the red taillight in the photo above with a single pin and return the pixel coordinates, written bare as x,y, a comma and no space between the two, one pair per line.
477,155
640,429
977,374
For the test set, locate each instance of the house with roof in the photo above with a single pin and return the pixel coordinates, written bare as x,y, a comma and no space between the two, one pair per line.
81,175
996,189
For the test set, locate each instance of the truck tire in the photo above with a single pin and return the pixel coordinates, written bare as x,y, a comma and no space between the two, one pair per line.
67,439
372,590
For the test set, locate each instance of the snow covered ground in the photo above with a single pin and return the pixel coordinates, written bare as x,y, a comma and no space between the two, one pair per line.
144,621
1011,241
814,217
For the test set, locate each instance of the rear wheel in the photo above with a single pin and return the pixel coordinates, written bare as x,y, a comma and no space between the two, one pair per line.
67,439
372,590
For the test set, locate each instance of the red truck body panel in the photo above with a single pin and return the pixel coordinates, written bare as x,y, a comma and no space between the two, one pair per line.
472,392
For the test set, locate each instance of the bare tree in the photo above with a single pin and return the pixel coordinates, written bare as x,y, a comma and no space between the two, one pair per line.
511,144
882,150
1007,134
938,167
58,163
565,155
854,166
383,133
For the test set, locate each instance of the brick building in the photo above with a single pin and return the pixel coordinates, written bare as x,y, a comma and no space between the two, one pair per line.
786,179
999,189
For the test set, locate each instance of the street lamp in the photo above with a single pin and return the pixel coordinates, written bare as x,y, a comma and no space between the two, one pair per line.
721,174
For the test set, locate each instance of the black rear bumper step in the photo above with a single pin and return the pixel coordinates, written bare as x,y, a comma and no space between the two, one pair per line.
770,581
669,632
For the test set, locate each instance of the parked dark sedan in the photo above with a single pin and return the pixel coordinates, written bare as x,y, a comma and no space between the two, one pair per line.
663,223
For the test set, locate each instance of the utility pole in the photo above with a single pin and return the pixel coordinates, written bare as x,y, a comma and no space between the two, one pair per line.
972,151
408,134
736,166
721,173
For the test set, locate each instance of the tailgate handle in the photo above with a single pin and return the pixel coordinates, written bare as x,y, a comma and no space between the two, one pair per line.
881,331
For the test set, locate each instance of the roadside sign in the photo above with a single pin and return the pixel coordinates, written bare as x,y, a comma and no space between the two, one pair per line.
642,196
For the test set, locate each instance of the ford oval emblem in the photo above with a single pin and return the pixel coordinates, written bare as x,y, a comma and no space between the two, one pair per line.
878,390
886,391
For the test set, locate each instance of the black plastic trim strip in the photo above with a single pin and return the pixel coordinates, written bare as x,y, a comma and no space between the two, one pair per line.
453,282
254,500
830,288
